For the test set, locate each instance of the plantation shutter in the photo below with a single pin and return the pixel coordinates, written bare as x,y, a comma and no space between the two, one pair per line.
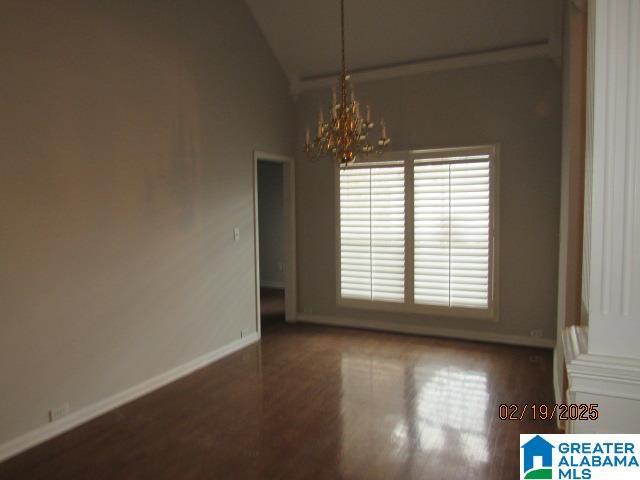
372,214
452,231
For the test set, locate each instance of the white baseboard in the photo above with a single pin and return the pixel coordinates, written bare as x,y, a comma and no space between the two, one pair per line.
427,330
271,284
50,430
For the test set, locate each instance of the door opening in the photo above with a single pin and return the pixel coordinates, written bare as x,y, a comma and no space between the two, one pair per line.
274,223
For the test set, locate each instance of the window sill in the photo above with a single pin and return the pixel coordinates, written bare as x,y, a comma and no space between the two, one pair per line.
462,313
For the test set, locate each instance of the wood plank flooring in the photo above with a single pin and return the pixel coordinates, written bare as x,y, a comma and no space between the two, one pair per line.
311,402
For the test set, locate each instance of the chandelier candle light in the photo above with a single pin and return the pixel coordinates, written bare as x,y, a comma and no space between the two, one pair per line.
344,136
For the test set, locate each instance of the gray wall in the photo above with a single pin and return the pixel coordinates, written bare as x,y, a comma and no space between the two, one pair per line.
127,131
271,222
517,105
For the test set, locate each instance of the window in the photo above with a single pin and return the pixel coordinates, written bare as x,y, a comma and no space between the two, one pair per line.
372,232
451,231
417,234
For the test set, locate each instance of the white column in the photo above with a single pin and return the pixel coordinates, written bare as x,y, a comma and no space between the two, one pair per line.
603,359
614,157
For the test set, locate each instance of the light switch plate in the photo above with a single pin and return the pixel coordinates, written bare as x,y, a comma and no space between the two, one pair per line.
236,234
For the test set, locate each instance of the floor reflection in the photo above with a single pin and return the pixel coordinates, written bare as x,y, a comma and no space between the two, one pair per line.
452,403
422,412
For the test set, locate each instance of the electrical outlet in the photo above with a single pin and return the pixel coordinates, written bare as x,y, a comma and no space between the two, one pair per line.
236,234
536,333
58,412
244,333
535,358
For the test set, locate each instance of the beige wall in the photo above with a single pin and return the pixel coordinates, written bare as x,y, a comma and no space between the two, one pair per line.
517,105
126,137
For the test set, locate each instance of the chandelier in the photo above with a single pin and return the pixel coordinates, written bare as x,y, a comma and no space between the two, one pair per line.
344,135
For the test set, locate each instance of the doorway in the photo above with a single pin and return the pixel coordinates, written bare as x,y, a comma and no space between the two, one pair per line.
274,224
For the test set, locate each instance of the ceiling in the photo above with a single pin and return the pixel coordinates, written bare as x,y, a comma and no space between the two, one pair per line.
305,34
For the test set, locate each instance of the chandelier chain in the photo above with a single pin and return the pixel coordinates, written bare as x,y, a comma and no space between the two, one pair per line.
344,61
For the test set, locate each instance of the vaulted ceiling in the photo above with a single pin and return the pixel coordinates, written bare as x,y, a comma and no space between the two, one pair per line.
305,34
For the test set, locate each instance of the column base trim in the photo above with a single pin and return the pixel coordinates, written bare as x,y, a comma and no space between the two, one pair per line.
598,374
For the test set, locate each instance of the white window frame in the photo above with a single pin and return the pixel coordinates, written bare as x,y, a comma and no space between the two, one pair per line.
408,306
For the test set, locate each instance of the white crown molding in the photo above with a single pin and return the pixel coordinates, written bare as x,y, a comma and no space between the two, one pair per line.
539,50
50,430
397,327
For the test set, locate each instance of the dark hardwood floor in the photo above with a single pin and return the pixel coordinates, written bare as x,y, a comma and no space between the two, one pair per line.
311,402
